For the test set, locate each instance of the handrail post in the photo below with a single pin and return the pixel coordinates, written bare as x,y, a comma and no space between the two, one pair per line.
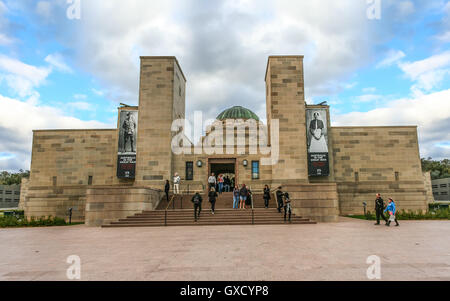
181,202
253,212
165,218
173,203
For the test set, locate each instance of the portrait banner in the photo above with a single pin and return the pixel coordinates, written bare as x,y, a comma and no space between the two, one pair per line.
126,162
317,141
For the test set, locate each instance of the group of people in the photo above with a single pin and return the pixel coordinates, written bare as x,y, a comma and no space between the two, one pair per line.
242,199
221,183
381,208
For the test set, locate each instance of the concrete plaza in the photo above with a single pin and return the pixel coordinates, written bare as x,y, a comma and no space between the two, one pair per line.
417,250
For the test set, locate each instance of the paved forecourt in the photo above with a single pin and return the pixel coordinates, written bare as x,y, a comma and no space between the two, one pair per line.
417,250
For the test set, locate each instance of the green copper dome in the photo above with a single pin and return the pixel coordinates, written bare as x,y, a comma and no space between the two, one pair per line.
237,112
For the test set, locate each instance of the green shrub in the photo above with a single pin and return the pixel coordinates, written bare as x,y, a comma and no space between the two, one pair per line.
14,221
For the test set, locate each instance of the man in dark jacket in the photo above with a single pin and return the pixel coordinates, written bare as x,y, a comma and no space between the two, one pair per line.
167,189
197,200
280,195
379,208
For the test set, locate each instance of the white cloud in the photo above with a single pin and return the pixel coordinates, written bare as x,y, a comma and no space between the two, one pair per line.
21,118
428,73
392,57
44,9
368,98
5,40
20,77
98,92
80,96
80,105
56,60
430,112
369,90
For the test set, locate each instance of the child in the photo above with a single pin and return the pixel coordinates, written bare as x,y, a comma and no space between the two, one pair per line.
287,206
392,210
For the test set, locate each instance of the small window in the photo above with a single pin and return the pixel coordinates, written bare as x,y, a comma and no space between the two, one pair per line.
255,170
54,181
8,192
443,185
17,192
189,171
90,180
444,193
8,200
436,192
435,186
397,176
356,176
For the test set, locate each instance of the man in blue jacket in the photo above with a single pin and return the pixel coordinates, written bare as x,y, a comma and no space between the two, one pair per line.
392,210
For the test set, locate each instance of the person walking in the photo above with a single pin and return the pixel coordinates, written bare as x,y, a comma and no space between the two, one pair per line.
243,194
197,201
220,180
236,197
379,207
287,206
391,208
212,181
266,196
176,184
167,189
212,199
279,193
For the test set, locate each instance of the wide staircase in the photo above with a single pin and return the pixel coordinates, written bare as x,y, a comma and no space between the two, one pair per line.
179,212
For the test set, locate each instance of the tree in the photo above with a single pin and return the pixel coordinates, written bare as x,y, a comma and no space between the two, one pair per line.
438,169
7,178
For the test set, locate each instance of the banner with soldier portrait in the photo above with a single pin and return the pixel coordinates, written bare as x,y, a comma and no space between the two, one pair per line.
317,141
126,162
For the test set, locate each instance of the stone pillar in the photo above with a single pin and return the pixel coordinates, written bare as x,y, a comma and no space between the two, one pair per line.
286,102
161,100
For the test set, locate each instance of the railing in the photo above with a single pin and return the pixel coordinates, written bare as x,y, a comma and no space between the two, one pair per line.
167,208
253,211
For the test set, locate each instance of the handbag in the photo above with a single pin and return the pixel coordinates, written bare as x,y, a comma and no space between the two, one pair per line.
392,218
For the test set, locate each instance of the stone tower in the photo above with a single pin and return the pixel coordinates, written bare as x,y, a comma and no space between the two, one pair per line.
285,101
161,100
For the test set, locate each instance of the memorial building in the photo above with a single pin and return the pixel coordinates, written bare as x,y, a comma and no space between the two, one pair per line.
109,174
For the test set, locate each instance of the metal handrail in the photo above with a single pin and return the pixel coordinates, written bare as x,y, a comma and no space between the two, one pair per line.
165,211
253,210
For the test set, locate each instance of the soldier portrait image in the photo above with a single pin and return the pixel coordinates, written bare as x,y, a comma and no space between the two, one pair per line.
128,132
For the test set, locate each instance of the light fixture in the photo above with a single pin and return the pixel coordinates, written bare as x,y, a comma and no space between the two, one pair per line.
245,163
199,163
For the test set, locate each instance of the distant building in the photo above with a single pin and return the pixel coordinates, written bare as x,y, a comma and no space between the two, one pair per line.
9,196
441,189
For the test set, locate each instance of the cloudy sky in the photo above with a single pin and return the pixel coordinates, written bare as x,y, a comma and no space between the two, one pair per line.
386,67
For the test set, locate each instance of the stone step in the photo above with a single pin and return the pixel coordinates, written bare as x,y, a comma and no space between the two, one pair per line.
207,223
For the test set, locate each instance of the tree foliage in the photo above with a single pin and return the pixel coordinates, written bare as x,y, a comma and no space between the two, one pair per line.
7,178
438,169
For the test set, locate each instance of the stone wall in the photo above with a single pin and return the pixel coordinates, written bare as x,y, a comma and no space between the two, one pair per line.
53,201
111,203
370,160
428,187
62,163
70,157
161,100
318,201
286,103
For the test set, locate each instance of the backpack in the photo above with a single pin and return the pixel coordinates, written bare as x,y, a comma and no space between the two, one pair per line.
196,199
